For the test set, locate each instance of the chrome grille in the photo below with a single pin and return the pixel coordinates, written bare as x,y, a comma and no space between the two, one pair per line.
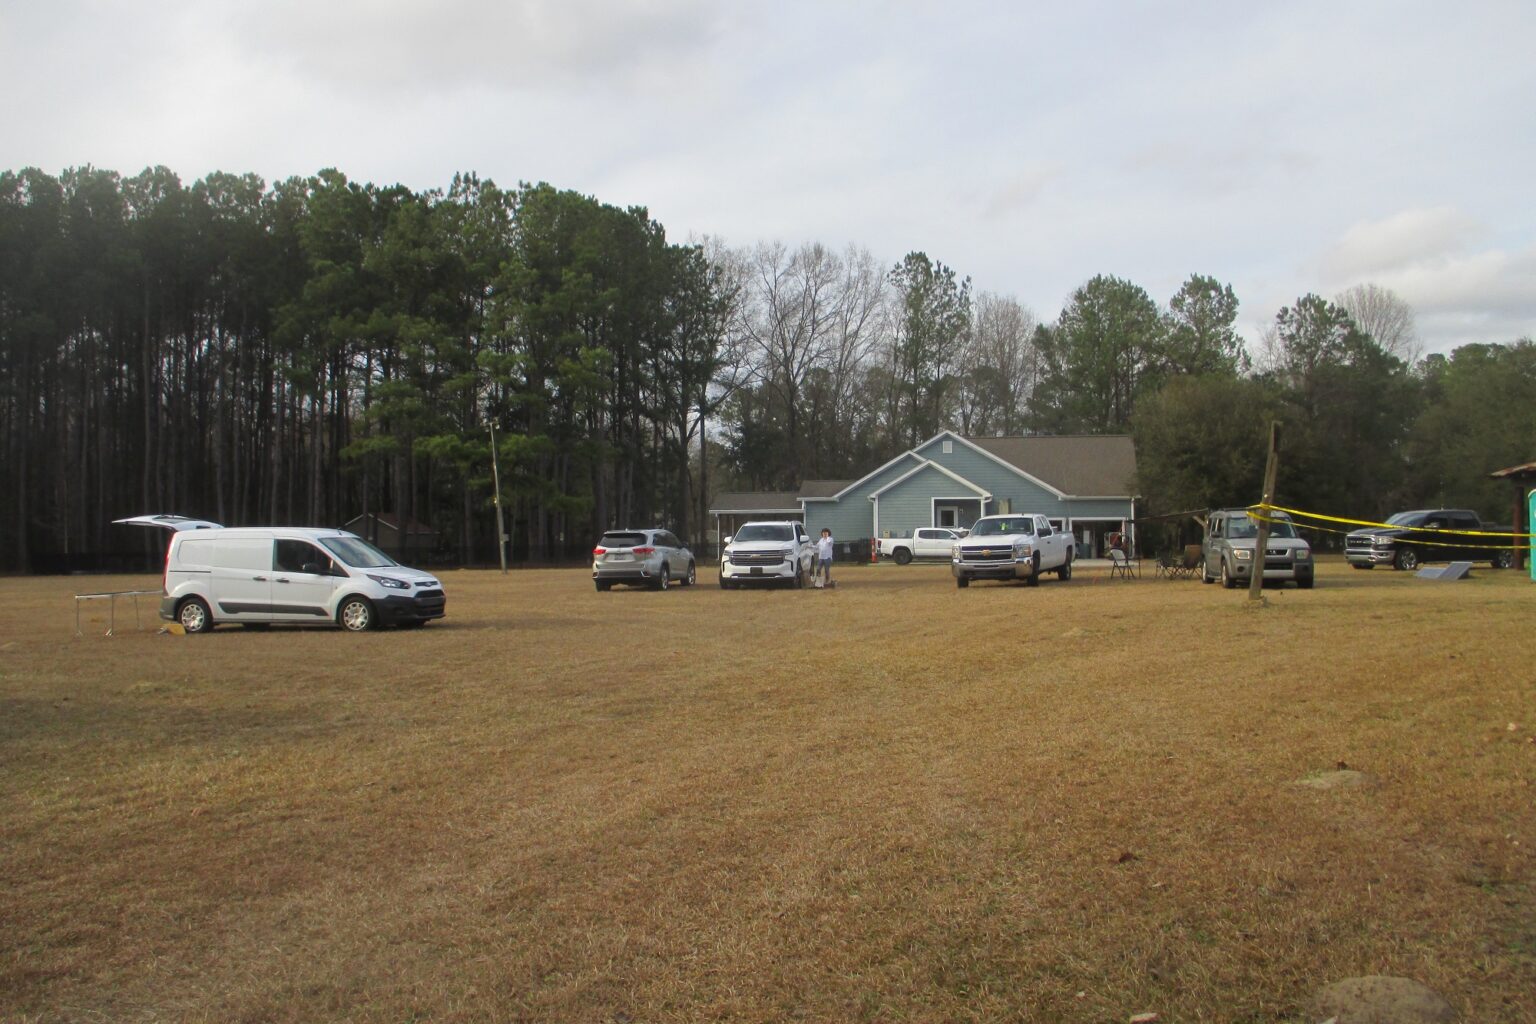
758,558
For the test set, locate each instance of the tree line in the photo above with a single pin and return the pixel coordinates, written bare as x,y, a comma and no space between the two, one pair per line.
323,349
319,349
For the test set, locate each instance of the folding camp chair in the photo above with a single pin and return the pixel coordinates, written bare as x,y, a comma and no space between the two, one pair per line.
1122,565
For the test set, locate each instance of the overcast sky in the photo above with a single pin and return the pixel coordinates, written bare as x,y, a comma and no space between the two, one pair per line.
1283,148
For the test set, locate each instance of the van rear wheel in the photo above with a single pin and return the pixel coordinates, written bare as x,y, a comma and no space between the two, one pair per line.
194,616
356,615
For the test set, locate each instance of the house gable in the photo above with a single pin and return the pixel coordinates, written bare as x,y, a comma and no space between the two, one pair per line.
909,503
934,449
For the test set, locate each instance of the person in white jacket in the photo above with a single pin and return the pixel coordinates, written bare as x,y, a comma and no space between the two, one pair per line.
824,558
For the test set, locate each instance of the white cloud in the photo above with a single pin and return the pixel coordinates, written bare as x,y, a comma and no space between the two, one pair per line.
1405,239
425,46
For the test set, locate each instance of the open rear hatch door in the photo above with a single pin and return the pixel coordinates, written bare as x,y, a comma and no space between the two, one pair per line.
173,523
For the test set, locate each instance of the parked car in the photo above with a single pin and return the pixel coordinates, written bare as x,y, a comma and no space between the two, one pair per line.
1012,547
1231,535
648,558
1410,538
925,542
258,576
767,552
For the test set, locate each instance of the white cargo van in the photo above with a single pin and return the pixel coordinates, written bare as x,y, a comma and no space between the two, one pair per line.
245,575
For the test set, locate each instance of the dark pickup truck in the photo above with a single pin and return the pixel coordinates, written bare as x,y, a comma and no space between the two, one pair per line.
1429,535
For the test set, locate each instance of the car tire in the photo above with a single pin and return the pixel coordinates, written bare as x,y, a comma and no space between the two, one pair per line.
725,584
1227,579
1357,565
1504,560
799,581
693,575
1205,576
356,615
1406,560
961,582
1065,572
1305,582
603,586
902,556
194,616
1033,580
663,578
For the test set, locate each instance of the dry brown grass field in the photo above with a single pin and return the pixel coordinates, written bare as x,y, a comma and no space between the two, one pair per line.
892,801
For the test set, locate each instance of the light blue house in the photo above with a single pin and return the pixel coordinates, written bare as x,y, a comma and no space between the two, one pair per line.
1085,484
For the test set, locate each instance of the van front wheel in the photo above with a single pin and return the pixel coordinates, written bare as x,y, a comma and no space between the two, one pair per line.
355,615
194,616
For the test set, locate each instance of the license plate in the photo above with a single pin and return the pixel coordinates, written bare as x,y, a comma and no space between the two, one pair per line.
619,558
757,570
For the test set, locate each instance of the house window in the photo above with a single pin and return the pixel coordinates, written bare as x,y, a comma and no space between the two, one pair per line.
949,447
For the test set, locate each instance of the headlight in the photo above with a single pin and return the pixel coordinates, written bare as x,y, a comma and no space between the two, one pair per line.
389,582
1242,554
1381,542
1302,554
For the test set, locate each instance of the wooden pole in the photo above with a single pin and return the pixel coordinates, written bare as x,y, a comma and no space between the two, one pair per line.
1261,545
501,522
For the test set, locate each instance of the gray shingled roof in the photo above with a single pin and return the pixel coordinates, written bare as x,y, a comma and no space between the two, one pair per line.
1081,465
756,501
822,488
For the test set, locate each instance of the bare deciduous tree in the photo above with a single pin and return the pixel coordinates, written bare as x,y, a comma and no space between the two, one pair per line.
1386,317
1000,367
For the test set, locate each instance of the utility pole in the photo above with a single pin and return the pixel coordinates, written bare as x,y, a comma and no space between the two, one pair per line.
501,522
1261,545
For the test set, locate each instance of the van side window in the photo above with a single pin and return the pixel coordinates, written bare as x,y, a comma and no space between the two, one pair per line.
294,555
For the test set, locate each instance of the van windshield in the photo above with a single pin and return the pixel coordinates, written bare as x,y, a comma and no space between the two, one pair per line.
357,553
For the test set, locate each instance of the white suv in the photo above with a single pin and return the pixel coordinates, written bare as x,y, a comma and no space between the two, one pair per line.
774,552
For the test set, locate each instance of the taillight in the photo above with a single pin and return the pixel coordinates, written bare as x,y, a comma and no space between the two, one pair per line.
599,551
645,551
165,573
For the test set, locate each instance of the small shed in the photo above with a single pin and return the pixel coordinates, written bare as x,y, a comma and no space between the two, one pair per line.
733,508
1524,478
393,534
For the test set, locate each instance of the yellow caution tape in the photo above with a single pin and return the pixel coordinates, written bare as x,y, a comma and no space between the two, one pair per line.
1390,526
1256,511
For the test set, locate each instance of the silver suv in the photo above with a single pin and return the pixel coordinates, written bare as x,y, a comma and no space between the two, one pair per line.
1230,537
652,558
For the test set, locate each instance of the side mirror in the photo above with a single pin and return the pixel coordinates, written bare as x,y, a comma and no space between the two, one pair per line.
728,538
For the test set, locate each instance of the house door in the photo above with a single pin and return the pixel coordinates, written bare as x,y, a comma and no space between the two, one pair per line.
947,515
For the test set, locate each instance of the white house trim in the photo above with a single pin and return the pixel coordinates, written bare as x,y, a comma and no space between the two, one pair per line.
839,495
936,500
973,446
926,464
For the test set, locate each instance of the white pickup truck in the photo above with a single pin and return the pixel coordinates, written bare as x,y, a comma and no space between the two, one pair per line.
1012,547
926,542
